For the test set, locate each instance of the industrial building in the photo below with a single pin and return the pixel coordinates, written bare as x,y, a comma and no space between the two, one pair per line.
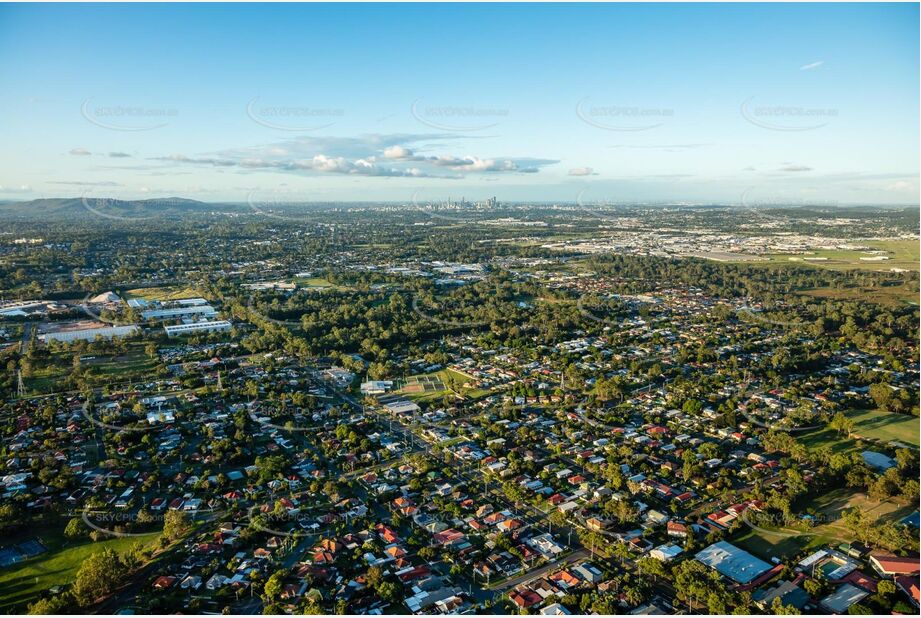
83,331
197,327
179,312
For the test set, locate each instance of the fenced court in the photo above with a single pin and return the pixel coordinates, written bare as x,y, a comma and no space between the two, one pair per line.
422,384
21,551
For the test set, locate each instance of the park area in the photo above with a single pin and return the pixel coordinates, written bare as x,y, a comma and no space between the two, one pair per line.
872,427
134,363
433,386
24,581
829,529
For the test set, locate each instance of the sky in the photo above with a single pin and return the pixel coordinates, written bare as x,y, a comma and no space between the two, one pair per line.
709,103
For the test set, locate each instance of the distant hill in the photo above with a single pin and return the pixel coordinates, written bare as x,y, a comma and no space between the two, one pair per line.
80,207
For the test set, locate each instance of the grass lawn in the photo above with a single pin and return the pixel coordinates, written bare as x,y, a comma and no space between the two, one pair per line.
455,381
313,282
23,583
135,364
828,507
830,438
172,292
766,545
833,502
886,426
870,425
902,254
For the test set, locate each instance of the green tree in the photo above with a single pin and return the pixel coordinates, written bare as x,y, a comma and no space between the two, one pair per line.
175,524
779,609
653,567
274,586
98,576
75,529
56,604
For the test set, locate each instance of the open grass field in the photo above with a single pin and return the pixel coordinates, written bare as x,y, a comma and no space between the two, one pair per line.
871,425
319,284
455,380
134,364
902,254
886,426
827,508
767,545
312,282
23,583
173,292
125,367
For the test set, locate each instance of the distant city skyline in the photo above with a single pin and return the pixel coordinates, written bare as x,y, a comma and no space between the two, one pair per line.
753,104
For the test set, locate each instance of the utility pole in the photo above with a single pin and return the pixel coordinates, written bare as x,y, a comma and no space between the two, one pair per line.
20,386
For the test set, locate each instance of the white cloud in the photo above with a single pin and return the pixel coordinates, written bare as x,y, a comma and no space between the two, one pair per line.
80,152
582,171
812,65
83,183
397,152
362,156
901,185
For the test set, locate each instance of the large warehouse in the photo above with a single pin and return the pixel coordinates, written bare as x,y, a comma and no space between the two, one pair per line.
86,331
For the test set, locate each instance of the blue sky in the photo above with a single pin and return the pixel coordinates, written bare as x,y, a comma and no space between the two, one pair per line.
669,102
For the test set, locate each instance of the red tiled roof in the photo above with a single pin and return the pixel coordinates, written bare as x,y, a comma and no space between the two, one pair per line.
525,598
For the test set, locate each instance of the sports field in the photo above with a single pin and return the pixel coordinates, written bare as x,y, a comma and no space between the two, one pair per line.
875,425
431,387
23,582
312,282
886,426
